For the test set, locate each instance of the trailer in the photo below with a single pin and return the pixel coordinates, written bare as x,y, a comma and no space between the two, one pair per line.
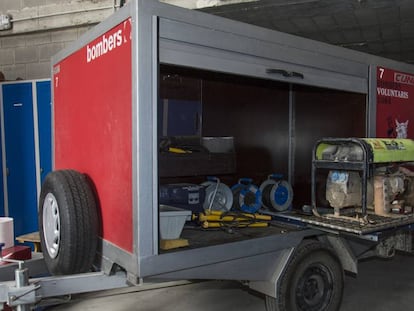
158,97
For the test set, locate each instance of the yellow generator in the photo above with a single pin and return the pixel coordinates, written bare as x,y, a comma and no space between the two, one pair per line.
365,176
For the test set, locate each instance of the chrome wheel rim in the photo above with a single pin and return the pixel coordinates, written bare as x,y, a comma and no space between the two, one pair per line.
51,225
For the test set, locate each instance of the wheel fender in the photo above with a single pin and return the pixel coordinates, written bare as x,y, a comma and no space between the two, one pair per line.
343,252
269,287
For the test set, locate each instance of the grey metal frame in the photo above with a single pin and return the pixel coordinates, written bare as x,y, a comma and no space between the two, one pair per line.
43,288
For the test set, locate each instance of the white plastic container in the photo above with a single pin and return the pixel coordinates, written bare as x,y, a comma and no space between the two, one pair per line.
218,144
6,231
172,220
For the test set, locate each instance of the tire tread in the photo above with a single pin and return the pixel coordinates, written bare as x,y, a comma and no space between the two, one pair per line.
78,220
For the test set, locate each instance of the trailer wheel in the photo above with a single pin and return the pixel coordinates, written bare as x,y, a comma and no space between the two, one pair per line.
68,222
312,281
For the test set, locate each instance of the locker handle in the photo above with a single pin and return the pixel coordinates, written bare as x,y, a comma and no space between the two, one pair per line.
285,73
7,171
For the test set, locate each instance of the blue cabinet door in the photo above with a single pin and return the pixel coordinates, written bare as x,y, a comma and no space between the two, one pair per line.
20,156
181,118
44,108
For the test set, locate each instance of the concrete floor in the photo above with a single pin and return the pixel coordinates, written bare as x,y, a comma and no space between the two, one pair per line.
382,285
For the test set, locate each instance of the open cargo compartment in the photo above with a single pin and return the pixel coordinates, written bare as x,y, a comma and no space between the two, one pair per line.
273,126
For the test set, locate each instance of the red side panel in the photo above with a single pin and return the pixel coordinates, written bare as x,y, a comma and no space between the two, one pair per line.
395,104
92,125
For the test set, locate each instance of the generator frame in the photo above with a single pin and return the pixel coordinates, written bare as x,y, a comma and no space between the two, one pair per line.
364,166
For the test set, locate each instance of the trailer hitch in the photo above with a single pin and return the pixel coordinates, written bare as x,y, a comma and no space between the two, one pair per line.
22,295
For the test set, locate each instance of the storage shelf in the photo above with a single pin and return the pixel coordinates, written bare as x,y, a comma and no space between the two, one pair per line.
196,164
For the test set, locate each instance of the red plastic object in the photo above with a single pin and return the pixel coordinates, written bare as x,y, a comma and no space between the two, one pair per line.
19,252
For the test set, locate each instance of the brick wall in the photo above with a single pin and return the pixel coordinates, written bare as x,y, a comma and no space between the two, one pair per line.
27,56
41,28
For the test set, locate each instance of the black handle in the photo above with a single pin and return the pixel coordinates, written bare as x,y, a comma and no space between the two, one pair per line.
285,73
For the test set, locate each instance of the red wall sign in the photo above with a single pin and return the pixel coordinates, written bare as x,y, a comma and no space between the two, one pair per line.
395,104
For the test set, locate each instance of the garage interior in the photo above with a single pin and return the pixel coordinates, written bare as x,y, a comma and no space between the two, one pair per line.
273,125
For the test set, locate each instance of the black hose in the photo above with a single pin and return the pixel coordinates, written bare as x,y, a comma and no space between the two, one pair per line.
266,196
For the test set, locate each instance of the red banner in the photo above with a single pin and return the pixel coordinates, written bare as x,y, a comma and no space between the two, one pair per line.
395,103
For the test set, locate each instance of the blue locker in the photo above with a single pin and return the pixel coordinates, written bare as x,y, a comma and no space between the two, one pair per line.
27,149
20,156
44,112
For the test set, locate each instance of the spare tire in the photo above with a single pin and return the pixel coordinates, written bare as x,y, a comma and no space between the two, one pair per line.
68,222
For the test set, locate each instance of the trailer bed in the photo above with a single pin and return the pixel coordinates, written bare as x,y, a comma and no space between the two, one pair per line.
198,237
349,223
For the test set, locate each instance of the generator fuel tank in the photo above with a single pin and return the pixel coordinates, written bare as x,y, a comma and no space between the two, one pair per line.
378,150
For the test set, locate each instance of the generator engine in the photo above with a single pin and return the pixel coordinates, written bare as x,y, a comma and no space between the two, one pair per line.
386,192
371,174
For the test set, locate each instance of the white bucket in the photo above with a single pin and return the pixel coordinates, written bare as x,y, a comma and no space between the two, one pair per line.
6,231
218,144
